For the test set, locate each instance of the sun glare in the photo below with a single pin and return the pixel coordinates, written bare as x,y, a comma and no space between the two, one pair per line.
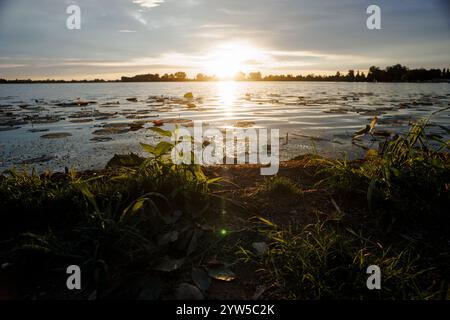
227,93
227,60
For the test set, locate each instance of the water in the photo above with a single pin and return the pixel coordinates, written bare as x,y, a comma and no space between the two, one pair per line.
317,116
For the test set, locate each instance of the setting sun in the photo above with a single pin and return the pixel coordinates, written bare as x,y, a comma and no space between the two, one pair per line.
227,60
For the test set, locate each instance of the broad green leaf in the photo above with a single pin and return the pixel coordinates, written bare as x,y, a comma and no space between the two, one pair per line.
161,132
148,148
162,148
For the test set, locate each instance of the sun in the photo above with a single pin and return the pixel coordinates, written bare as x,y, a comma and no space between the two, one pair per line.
225,61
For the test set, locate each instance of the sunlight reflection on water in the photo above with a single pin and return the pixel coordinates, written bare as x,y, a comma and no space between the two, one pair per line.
227,91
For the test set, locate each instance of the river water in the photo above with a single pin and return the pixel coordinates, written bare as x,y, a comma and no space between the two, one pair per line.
51,126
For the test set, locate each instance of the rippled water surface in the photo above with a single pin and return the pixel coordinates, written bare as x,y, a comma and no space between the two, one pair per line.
82,125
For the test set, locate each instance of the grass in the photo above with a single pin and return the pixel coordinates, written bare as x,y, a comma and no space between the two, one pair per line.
320,261
128,220
140,227
279,185
406,183
404,231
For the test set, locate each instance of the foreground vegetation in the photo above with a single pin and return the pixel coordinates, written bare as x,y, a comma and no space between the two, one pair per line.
149,229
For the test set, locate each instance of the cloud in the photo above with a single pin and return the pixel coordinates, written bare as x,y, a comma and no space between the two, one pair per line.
148,3
254,59
217,26
138,16
11,65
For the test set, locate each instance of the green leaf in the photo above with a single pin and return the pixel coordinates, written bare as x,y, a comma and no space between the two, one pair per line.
129,160
139,203
163,148
161,132
148,148
265,221
189,95
372,124
213,180
83,187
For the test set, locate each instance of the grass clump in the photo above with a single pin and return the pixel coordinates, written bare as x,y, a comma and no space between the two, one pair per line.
279,185
403,229
406,183
320,261
135,220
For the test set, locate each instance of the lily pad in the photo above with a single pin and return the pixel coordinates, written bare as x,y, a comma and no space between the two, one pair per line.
109,131
381,133
81,120
39,130
111,104
136,126
43,120
38,159
177,121
189,95
76,103
244,124
101,139
158,123
56,135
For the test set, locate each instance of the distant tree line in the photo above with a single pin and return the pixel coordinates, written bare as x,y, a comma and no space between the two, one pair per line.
401,73
178,76
56,81
395,73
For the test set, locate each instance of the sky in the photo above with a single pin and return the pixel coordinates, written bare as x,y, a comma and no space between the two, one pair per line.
128,37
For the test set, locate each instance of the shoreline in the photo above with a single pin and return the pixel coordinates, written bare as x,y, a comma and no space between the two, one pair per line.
213,81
